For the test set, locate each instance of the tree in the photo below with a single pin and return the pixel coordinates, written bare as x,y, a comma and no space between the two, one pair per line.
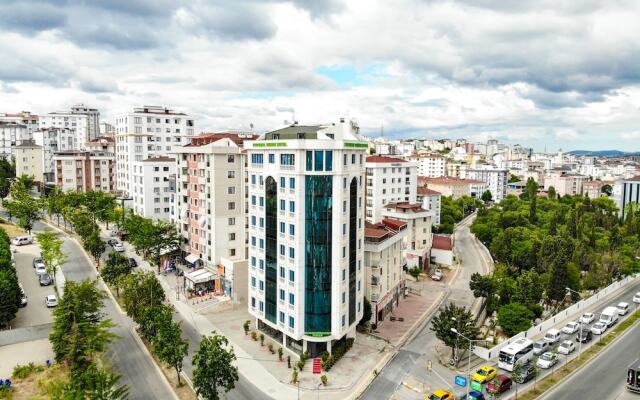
26,181
54,202
140,291
456,317
607,189
366,312
551,193
114,270
530,189
213,367
486,196
97,383
51,249
25,208
10,296
481,285
94,245
514,178
533,209
516,375
80,333
170,346
7,173
514,318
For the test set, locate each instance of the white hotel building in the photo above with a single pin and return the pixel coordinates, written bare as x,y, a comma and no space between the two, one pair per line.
306,233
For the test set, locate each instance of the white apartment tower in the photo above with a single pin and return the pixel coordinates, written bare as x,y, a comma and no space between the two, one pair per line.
11,133
30,121
495,178
306,234
154,184
431,165
145,132
389,180
84,121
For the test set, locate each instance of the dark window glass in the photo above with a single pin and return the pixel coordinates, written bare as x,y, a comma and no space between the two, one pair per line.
319,160
271,250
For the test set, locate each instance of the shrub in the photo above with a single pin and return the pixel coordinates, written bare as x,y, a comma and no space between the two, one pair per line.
280,353
271,349
23,371
300,365
294,376
324,380
288,361
245,326
262,339
254,335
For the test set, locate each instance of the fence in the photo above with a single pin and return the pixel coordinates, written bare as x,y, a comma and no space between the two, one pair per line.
563,315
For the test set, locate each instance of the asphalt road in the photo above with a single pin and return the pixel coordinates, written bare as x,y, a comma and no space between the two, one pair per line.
35,312
410,363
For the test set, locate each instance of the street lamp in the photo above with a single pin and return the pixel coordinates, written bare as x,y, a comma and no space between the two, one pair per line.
454,330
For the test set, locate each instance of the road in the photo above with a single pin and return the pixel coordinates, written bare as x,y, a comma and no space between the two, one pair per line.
410,362
605,376
126,353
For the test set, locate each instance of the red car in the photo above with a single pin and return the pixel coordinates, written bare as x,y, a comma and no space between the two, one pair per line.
501,384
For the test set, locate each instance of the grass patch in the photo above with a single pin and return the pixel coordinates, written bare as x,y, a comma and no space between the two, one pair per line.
24,371
559,374
12,230
33,382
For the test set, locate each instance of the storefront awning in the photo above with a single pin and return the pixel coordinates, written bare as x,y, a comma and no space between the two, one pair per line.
200,276
191,258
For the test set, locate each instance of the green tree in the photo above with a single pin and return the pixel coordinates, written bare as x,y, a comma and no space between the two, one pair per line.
25,208
458,318
10,296
213,368
54,202
80,333
94,245
115,269
514,178
607,189
514,318
51,249
517,375
551,193
139,291
97,383
530,189
486,196
7,173
481,285
169,345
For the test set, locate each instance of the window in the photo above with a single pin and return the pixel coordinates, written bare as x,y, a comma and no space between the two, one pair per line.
231,190
282,294
261,285
292,252
344,296
261,222
261,243
261,180
328,160
231,158
292,275
232,236
287,159
253,261
282,181
291,322
309,160
292,206
358,288
253,281
232,205
353,159
253,179
261,306
292,183
282,227
282,249
319,160
261,201
253,220
253,302
282,205
292,229
257,159
272,158
231,174
282,272
253,240
292,299
253,200
344,274
281,317
261,265
344,228
343,320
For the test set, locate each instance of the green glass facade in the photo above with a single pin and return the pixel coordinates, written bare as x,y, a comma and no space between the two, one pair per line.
353,241
271,248
318,231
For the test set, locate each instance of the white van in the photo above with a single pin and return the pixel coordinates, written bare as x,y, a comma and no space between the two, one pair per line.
609,316
23,298
552,336
623,308
22,240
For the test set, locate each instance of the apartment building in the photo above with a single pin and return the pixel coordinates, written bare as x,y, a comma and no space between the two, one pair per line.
495,178
454,187
389,180
430,165
457,169
306,233
84,171
417,241
54,140
29,160
211,206
564,181
154,185
102,143
383,262
430,200
82,120
146,132
11,133
625,192
593,189
22,118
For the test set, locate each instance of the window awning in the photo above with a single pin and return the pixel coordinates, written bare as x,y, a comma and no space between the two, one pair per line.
191,258
200,276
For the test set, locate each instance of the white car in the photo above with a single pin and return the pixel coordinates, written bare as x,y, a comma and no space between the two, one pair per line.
566,347
571,328
118,247
587,318
636,298
598,328
51,300
22,240
623,308
40,269
547,360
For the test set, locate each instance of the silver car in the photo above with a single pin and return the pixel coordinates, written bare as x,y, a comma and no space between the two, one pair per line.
540,347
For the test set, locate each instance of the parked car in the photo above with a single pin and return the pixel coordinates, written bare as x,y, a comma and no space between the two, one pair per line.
527,372
474,395
567,347
118,247
112,242
623,308
45,279
585,336
51,300
636,298
540,347
40,269
37,261
552,336
587,318
441,395
132,263
22,240
484,374
598,328
501,384
23,296
547,360
571,328
437,275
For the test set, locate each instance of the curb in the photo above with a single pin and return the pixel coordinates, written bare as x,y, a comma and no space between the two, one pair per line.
153,361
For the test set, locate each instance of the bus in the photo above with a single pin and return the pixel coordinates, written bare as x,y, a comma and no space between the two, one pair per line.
520,351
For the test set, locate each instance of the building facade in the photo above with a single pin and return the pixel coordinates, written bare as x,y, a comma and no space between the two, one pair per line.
84,171
82,120
430,200
626,192
417,241
306,231
430,165
389,180
11,133
154,186
23,118
54,140
29,160
495,178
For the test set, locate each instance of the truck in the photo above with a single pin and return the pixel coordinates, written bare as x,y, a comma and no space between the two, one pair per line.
609,316
633,376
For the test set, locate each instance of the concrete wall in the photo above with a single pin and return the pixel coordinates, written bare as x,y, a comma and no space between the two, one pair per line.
444,257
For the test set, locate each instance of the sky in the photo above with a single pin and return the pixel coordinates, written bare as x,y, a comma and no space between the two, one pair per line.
542,73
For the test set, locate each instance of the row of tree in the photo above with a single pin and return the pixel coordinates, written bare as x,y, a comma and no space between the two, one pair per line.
453,211
10,293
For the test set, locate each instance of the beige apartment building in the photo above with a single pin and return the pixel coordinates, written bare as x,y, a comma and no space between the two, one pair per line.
84,171
29,160
417,241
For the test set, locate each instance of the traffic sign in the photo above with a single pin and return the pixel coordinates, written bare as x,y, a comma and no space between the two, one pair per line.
461,381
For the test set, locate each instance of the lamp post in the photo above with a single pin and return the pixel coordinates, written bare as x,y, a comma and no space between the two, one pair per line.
568,289
454,330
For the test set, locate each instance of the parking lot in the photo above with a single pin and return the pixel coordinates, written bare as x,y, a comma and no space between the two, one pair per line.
35,313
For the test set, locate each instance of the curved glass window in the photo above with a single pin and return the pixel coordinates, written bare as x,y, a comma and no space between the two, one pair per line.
353,219
271,248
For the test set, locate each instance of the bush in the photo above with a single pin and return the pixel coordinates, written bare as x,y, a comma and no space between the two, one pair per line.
300,365
245,326
294,376
254,335
24,371
288,361
271,348
280,352
324,380
262,339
